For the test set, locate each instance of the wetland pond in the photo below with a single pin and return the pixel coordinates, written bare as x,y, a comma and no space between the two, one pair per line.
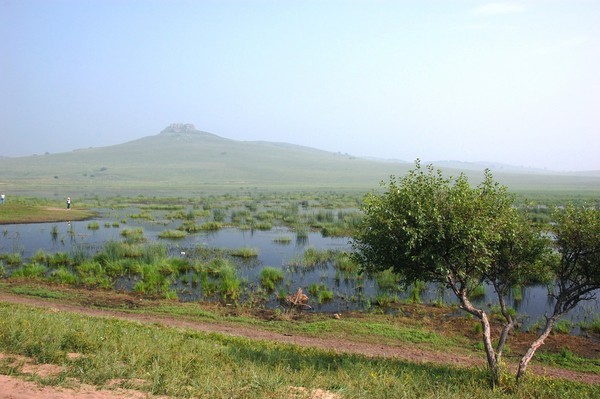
277,247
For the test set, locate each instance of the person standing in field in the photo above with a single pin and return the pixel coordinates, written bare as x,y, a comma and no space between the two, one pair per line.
68,202
2,199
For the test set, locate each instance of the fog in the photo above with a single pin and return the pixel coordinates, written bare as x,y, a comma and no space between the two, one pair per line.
515,83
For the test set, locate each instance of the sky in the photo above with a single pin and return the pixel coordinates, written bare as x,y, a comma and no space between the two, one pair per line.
512,82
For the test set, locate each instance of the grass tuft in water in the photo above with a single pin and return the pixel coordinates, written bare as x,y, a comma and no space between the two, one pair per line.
269,277
245,252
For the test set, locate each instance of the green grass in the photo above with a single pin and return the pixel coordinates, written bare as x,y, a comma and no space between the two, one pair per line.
153,166
211,226
415,293
41,292
31,271
182,363
93,225
172,234
477,292
386,299
134,235
387,280
320,292
229,284
16,212
566,358
592,325
12,259
343,261
563,327
313,257
269,277
245,252
283,239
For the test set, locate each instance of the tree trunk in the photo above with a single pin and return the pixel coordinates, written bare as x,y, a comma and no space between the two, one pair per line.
492,359
491,355
510,323
550,321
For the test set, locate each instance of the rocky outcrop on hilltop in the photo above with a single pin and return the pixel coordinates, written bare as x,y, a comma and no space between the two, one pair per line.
179,128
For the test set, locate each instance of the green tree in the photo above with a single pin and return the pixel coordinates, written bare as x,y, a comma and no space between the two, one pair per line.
576,269
428,227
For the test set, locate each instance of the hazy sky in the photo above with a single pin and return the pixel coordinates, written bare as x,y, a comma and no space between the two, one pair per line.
515,82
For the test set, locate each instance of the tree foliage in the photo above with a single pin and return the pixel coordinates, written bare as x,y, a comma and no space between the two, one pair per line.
428,227
576,268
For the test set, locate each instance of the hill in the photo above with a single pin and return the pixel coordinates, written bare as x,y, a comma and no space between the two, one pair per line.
181,160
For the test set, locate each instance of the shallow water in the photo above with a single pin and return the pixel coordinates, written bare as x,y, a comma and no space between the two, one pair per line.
349,294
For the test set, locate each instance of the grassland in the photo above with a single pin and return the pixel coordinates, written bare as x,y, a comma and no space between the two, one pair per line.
182,362
196,163
20,211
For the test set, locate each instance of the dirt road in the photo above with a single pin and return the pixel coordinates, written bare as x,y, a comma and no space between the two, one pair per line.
16,389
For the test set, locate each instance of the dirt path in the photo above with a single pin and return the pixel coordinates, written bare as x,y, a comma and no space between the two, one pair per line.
405,352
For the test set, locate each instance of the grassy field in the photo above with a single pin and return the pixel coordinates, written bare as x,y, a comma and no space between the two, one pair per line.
182,363
18,212
196,163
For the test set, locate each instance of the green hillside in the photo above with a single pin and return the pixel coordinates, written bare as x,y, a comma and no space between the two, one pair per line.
184,161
